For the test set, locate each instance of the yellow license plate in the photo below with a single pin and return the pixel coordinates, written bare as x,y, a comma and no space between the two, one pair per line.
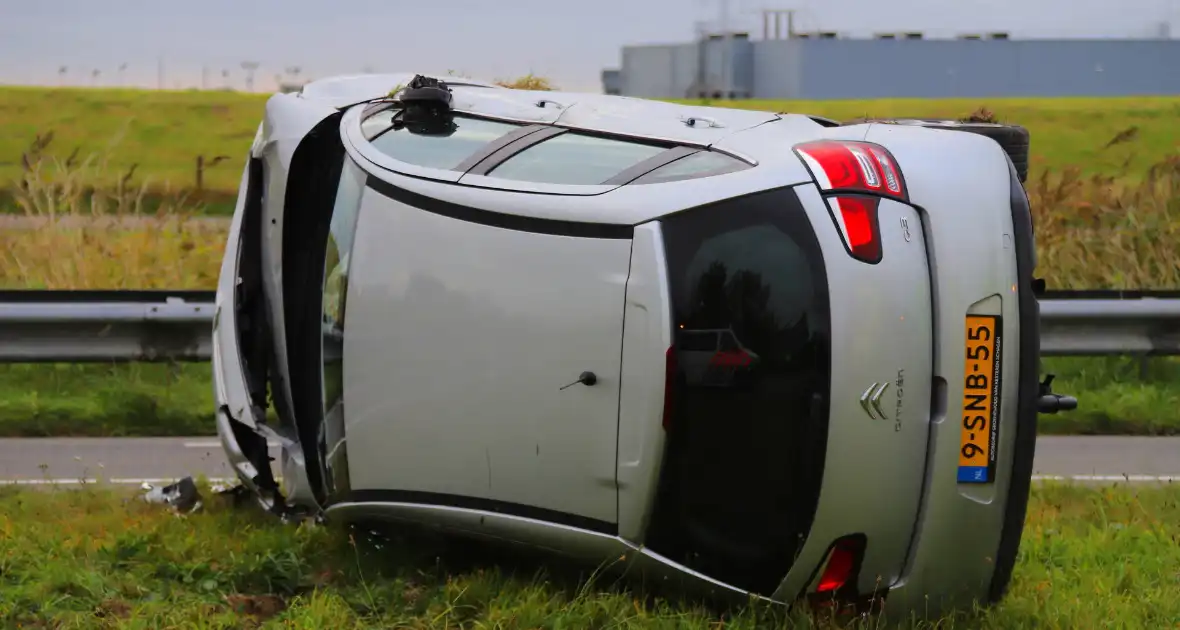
980,426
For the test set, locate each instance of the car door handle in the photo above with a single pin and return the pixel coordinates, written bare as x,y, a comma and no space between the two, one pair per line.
585,378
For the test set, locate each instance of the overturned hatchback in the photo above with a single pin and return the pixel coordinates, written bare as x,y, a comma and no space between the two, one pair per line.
768,354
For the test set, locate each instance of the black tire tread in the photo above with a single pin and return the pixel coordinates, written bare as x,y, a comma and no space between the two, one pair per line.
1014,139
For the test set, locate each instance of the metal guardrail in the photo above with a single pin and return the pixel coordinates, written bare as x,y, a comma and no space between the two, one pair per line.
121,326
105,326
1093,323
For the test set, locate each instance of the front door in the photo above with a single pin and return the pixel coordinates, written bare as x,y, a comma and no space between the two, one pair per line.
461,335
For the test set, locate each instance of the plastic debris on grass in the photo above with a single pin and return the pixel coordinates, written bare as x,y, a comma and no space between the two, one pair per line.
183,496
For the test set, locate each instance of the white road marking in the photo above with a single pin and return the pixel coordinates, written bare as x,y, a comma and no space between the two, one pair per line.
75,482
1148,478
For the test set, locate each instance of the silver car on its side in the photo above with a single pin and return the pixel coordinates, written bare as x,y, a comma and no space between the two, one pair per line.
481,309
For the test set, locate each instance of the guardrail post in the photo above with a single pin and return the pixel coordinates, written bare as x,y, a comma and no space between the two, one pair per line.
201,165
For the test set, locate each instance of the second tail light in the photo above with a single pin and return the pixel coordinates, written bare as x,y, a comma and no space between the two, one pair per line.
838,573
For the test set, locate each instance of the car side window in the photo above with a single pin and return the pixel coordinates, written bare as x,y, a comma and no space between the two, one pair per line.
337,259
438,151
575,159
699,164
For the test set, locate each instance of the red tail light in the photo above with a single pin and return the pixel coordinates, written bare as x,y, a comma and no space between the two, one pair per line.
843,166
847,166
838,571
856,218
842,565
669,386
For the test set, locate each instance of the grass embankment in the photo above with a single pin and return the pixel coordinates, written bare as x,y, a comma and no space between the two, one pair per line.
104,400
1090,558
1110,221
160,135
165,131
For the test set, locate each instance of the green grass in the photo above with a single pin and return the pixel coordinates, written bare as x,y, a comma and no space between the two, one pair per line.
106,400
162,132
165,400
1114,397
1091,558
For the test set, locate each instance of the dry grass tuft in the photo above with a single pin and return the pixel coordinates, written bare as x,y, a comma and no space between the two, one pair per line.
1109,231
68,234
528,82
981,115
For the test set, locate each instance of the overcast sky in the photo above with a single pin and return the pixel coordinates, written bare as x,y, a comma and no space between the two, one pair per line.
571,42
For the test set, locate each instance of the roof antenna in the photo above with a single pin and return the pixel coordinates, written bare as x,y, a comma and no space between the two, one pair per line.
426,107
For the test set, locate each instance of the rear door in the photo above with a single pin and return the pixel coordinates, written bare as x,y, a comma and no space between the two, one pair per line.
468,330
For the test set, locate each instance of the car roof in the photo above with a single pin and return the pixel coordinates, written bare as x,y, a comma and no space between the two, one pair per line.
695,125
759,138
350,89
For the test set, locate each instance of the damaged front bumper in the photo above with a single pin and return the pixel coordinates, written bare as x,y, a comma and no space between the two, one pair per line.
245,437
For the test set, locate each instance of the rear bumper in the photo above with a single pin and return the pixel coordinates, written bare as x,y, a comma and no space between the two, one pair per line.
967,535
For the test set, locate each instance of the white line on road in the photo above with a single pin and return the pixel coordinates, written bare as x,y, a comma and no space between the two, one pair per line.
1148,478
77,482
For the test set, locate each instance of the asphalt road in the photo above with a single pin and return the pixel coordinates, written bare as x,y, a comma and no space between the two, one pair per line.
44,461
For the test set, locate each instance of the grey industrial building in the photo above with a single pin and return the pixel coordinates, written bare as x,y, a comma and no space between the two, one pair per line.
895,65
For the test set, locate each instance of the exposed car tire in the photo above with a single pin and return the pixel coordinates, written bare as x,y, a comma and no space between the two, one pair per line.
1014,139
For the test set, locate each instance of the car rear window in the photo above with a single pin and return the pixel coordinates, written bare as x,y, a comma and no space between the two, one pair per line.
699,164
746,436
574,158
431,151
